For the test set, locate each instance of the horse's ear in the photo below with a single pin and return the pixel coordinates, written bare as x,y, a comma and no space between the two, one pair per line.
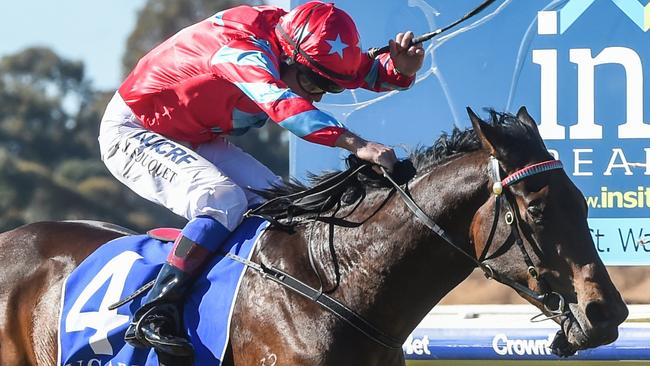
523,116
484,131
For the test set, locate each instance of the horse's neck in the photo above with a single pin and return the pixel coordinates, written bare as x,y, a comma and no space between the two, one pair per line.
396,263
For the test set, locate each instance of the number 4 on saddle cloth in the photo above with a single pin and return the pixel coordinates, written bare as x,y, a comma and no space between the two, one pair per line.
91,334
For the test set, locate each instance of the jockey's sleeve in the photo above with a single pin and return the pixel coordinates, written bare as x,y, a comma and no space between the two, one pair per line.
251,66
381,75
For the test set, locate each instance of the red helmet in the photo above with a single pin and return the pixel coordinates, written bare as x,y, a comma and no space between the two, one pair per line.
323,38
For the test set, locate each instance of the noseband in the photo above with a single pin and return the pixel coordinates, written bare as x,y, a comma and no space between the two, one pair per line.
553,302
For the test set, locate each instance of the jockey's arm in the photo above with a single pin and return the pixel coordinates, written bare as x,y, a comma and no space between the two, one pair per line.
250,66
367,150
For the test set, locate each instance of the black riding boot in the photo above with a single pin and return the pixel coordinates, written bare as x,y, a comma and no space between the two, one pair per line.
158,322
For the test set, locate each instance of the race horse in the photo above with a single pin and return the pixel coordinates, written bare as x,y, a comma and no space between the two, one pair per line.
490,197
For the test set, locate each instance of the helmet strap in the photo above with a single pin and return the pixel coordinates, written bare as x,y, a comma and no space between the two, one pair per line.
305,23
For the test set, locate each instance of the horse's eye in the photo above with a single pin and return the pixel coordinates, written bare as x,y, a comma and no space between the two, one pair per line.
536,213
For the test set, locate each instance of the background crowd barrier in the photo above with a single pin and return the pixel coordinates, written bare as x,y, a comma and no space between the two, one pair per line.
472,334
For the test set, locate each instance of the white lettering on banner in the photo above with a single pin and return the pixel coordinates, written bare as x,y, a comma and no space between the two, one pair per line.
504,346
617,154
618,162
418,346
548,127
587,128
578,162
631,62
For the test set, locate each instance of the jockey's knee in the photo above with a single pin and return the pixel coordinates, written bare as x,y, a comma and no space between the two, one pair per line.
226,204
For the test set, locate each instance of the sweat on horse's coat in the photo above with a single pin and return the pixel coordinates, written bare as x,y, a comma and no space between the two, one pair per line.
391,270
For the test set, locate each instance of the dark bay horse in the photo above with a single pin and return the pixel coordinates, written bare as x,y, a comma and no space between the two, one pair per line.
391,270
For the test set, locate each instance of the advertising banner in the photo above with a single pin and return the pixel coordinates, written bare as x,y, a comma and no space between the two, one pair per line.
578,67
515,344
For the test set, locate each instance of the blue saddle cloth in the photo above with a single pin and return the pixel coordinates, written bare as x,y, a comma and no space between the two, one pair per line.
90,334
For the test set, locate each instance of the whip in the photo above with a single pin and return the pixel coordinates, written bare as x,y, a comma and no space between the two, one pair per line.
374,52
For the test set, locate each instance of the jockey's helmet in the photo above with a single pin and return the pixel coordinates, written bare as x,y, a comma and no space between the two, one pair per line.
325,40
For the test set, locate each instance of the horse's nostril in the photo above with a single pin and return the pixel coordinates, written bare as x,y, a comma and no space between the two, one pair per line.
598,314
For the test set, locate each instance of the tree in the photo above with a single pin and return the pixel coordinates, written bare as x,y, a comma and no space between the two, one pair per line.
50,168
160,19
49,160
41,95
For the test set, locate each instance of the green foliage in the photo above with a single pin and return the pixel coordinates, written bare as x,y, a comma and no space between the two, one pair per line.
160,19
50,167
77,170
269,145
49,159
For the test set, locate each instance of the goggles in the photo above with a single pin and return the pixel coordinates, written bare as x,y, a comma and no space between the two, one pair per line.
314,83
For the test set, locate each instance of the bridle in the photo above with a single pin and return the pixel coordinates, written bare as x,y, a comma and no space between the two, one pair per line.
552,302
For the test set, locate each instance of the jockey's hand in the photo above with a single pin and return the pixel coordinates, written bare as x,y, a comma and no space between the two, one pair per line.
369,151
407,60
379,154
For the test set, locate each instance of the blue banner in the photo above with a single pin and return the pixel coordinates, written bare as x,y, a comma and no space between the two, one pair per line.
577,65
515,344
622,242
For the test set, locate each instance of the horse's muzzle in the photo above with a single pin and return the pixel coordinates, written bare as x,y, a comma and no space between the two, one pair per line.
594,326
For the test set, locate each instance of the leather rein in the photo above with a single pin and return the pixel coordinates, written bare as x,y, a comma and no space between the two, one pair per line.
553,302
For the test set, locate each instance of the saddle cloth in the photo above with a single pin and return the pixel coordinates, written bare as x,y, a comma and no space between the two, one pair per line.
90,334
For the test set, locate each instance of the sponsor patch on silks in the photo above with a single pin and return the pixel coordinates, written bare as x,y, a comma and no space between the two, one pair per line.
90,334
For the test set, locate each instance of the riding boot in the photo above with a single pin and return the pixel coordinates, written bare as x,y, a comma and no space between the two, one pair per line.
158,323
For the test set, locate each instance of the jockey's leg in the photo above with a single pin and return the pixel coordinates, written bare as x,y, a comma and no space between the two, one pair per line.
207,185
157,322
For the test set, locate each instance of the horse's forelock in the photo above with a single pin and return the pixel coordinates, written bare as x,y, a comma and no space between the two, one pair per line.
518,141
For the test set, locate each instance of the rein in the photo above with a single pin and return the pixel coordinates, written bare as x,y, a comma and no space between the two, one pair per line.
552,302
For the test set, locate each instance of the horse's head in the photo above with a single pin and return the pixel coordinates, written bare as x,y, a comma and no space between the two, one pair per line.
554,265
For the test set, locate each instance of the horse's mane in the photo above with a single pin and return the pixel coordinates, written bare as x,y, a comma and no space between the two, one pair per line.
423,158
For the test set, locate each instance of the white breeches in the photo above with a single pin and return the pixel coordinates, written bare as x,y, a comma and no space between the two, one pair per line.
211,179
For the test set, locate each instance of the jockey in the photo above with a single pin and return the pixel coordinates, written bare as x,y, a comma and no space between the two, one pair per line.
163,132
